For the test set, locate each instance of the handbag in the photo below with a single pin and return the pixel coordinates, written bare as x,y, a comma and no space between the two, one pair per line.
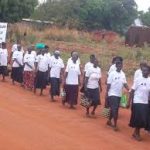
85,102
105,112
63,95
124,101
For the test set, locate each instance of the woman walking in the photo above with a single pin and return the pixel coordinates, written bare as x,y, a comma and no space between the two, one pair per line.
3,60
29,69
56,74
41,68
17,66
72,81
139,96
93,86
115,83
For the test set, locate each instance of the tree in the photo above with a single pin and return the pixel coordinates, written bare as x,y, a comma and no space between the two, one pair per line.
114,15
15,10
145,17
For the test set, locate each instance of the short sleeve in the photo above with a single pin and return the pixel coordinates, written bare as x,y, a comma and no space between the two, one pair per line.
14,55
67,68
85,68
110,78
13,48
88,73
135,84
62,64
124,79
25,59
79,71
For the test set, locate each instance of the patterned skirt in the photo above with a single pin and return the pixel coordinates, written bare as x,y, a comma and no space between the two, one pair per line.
28,79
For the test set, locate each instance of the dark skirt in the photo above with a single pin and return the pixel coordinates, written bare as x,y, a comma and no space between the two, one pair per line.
17,74
71,94
114,103
28,79
55,86
139,116
40,80
94,95
3,70
148,124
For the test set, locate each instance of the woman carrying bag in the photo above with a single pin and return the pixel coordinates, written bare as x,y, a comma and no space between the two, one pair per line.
93,86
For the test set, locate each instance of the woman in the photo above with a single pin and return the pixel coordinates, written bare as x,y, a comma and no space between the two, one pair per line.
139,96
70,59
56,72
93,86
3,60
41,68
72,81
29,68
17,66
115,83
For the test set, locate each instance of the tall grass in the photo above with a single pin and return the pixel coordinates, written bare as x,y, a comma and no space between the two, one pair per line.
67,40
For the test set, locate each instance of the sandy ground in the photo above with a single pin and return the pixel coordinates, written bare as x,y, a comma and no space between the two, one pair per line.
31,122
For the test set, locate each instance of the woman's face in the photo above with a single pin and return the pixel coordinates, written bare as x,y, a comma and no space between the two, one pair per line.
74,58
145,71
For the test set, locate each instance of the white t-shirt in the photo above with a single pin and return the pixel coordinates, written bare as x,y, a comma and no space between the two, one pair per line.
19,56
30,59
48,55
3,57
56,65
88,66
94,74
15,48
71,61
138,74
43,63
112,68
116,81
73,73
142,90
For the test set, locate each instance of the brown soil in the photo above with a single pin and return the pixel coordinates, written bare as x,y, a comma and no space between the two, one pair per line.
31,122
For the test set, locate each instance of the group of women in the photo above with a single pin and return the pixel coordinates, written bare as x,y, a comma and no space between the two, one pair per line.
35,70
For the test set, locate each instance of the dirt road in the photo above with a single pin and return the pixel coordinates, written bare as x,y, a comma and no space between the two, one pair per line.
31,122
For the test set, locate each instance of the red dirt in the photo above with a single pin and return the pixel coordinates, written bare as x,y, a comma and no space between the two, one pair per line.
31,122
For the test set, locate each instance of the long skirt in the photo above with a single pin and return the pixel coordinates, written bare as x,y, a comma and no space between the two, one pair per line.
148,124
139,116
40,80
114,103
28,79
17,74
55,86
94,95
72,94
3,70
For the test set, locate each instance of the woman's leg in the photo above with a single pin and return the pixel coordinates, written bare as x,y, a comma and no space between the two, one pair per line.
87,111
136,134
94,108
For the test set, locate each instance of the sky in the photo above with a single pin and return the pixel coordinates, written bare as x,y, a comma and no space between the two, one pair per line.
142,4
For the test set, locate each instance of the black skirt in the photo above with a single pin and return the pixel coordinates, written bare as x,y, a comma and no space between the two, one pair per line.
94,95
3,70
17,74
114,103
72,94
55,86
40,80
139,116
148,124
